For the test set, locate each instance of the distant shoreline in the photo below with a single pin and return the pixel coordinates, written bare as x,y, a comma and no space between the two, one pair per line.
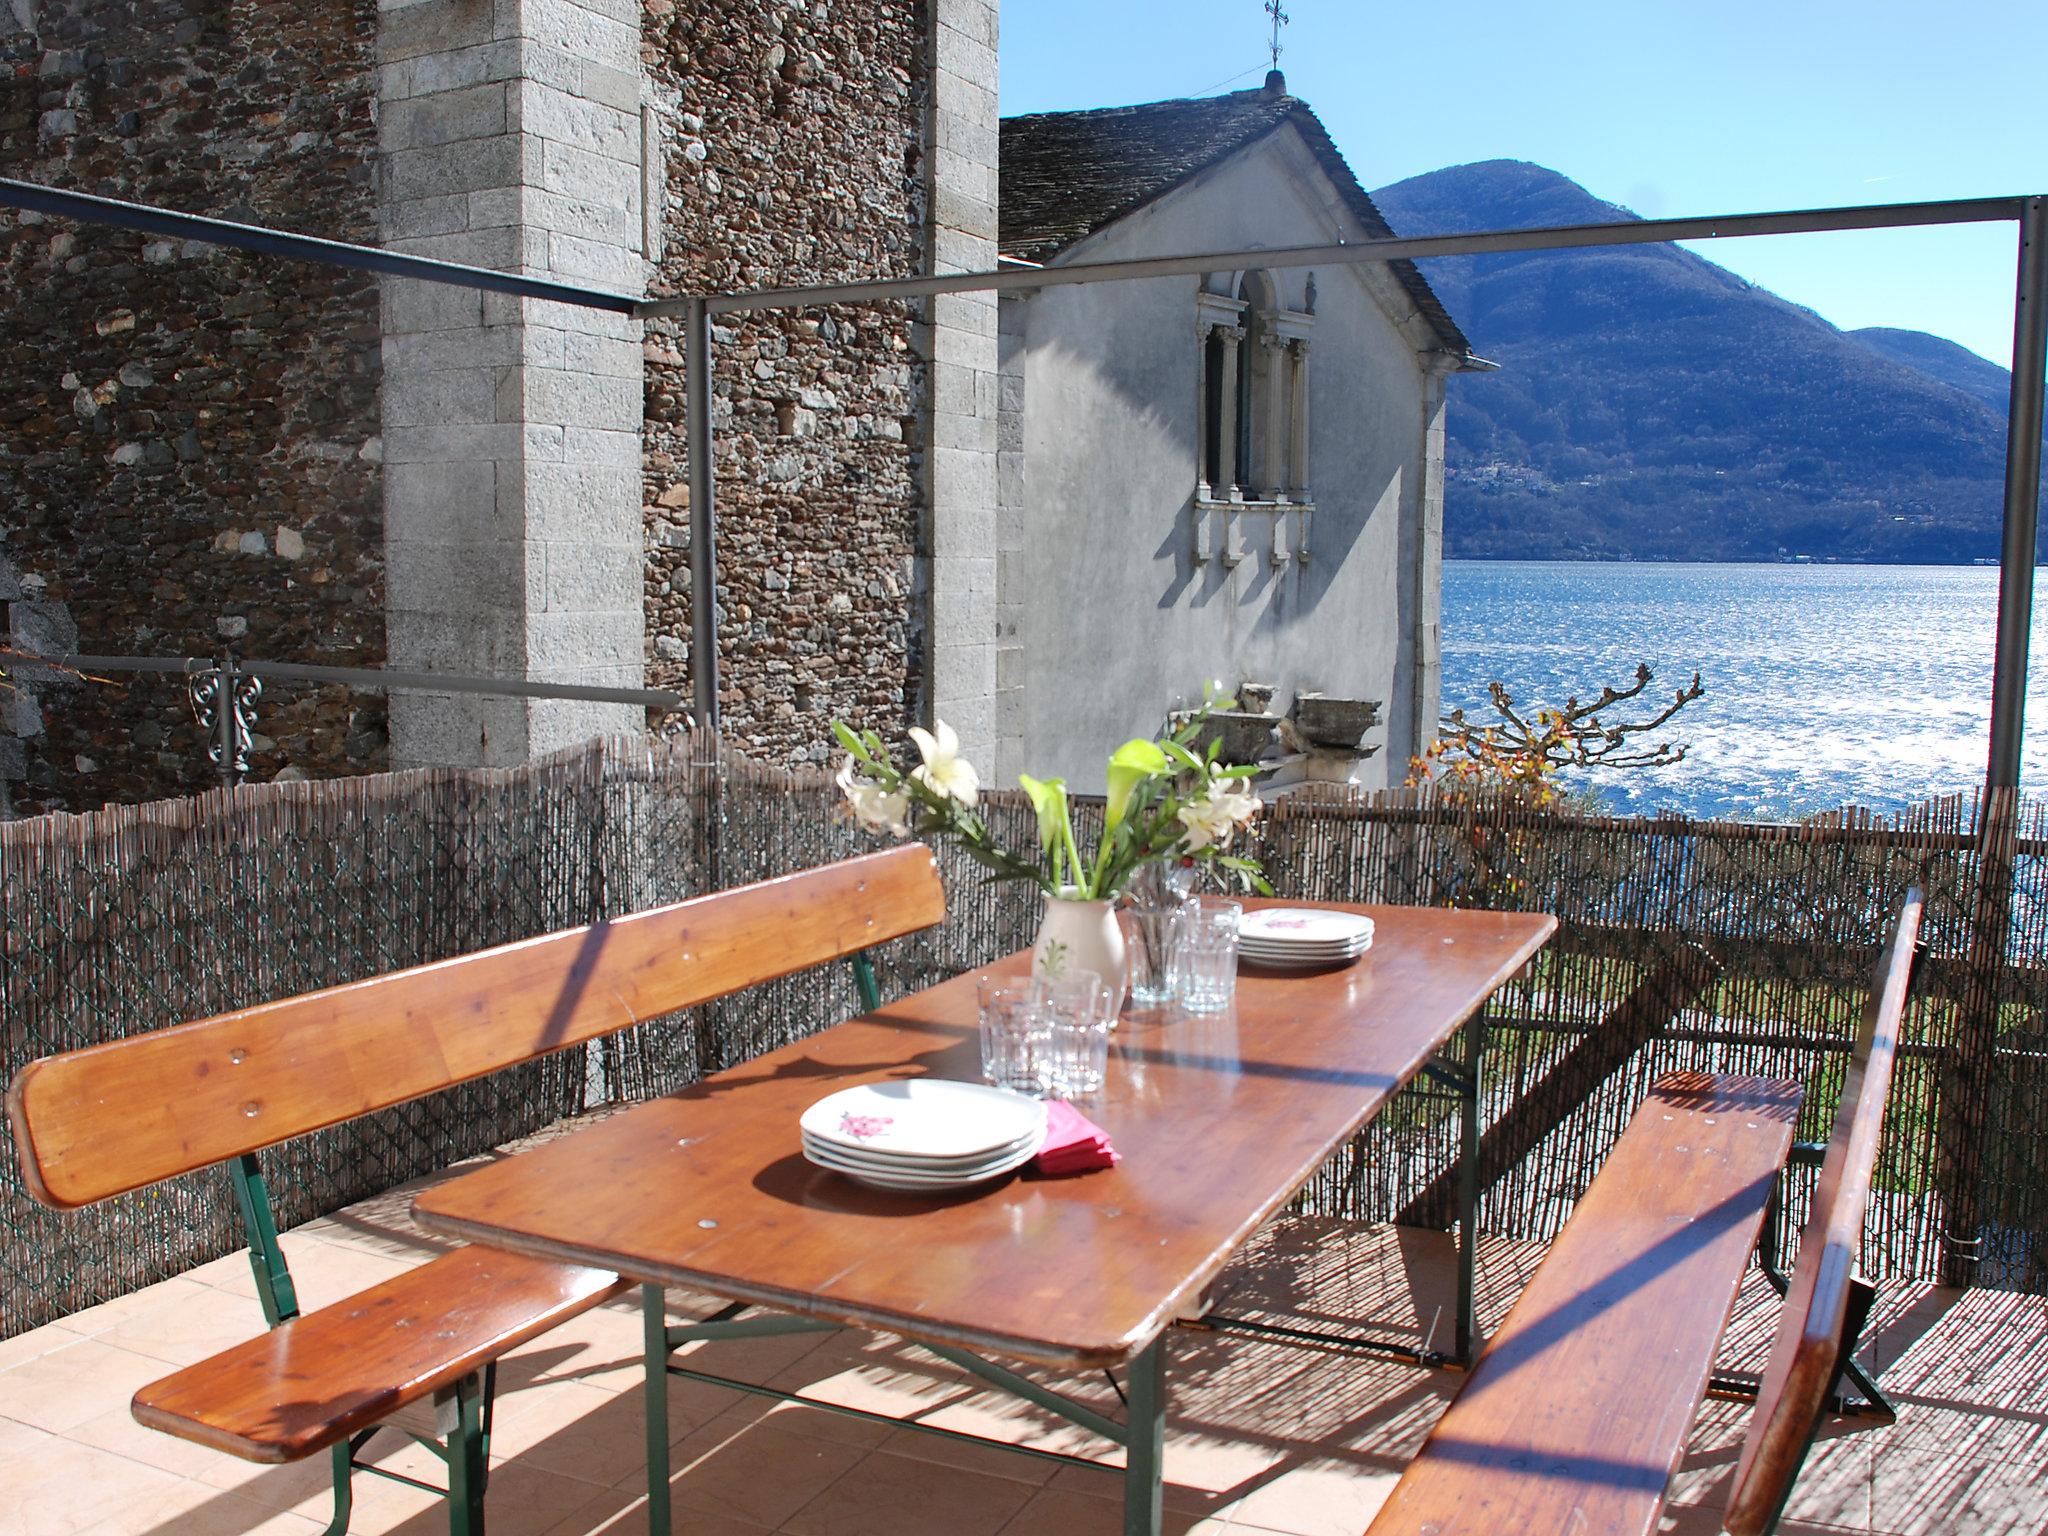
1818,562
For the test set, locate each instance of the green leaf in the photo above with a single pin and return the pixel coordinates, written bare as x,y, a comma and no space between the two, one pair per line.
847,739
1049,799
1129,766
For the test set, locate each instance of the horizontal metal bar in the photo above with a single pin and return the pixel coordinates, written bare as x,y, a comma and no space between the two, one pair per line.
1742,1387
89,209
400,1477
747,1328
784,1396
1031,1392
1458,1079
1415,248
377,677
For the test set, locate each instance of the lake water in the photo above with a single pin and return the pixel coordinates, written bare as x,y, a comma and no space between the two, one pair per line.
1825,685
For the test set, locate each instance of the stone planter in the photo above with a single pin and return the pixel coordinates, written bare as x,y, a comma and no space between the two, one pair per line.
1327,722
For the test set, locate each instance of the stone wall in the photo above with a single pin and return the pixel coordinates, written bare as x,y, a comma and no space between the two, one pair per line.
189,438
795,151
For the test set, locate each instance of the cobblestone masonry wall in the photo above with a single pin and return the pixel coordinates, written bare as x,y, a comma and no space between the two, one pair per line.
795,152
189,448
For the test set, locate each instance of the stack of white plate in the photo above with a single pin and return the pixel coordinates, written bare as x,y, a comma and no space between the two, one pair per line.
1302,938
923,1134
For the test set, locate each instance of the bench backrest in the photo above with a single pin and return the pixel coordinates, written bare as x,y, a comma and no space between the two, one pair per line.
112,1118
1817,1328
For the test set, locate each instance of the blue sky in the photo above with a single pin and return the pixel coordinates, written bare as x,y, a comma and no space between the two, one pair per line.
1668,106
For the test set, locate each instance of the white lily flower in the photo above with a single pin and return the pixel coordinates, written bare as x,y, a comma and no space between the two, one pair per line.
944,771
872,806
1213,820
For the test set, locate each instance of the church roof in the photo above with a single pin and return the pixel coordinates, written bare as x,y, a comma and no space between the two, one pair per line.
1066,175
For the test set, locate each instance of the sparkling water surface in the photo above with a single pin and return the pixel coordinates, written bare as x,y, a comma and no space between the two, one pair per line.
1826,685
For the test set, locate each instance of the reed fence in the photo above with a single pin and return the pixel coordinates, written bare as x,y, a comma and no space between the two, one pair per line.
1683,944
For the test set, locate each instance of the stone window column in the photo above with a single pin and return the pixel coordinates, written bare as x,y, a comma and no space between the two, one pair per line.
1297,421
1203,326
1229,477
1272,446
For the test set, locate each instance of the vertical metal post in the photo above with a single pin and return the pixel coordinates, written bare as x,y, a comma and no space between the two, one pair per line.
864,982
274,1290
1145,1447
1965,1115
654,1322
466,1466
224,733
703,519
1468,1188
2022,499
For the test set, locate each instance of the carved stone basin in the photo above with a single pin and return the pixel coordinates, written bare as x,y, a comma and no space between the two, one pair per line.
1326,722
1245,736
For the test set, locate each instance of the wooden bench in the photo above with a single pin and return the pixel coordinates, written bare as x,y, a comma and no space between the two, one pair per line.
1577,1411
112,1118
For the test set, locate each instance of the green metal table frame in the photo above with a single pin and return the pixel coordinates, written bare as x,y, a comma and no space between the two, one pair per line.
1142,1433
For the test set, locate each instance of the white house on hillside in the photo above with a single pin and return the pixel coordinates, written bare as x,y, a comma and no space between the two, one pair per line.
1237,477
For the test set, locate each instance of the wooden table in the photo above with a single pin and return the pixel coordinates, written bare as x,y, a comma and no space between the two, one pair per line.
1218,1119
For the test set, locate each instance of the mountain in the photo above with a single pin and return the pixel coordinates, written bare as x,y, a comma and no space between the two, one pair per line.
1652,405
1940,358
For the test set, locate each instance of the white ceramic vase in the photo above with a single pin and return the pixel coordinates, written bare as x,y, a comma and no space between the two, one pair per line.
1081,936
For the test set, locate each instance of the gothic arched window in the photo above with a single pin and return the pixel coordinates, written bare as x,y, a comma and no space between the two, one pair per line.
1253,397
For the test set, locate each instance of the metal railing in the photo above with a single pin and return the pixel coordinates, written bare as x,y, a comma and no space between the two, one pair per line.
226,689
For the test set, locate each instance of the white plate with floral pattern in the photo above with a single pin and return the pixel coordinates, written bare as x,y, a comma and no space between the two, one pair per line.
917,1118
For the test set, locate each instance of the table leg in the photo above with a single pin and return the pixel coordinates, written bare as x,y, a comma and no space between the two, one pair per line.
1468,1189
654,1319
1144,1493
466,1461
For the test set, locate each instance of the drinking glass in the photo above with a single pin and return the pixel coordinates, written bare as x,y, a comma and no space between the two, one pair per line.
1157,891
1077,1048
1015,1024
1205,955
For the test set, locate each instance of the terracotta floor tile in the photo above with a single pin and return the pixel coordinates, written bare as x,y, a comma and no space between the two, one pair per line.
520,1501
1060,1512
37,1341
1315,1497
876,1382
1001,1423
188,1327
617,1512
819,1423
193,1509
750,1473
764,1360
600,1348
117,1431
326,1272
888,1495
96,1320
306,1487
68,1386
1107,1482
21,1449
75,1487
593,1436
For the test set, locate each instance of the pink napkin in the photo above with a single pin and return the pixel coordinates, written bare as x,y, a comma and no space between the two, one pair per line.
1073,1142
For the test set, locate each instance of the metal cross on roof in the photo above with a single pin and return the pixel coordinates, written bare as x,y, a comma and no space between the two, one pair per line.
1280,19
